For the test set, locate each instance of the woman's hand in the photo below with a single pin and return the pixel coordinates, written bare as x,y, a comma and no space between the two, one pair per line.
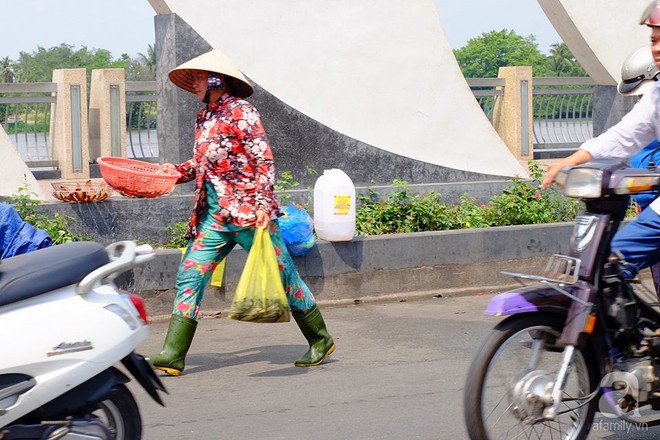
168,167
263,219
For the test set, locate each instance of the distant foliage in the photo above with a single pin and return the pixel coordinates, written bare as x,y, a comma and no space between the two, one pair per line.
482,56
38,66
562,62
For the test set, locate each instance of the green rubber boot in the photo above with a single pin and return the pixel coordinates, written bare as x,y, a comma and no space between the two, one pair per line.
177,342
320,342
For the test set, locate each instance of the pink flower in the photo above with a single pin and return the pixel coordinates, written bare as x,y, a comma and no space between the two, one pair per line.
537,195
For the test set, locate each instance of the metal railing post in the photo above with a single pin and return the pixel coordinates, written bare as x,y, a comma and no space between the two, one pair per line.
524,118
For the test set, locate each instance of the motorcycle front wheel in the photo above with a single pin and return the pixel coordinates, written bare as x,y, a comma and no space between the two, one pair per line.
520,358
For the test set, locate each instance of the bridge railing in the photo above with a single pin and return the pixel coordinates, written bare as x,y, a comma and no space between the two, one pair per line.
562,117
27,110
25,114
562,110
141,111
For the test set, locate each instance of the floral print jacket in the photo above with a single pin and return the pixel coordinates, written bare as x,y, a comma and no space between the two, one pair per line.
232,153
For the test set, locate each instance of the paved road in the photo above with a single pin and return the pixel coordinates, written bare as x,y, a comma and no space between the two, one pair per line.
398,373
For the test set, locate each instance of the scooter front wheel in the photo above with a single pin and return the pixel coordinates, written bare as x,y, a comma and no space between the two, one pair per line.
519,359
120,413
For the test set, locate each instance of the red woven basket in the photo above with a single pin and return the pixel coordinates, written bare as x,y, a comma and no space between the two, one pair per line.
135,178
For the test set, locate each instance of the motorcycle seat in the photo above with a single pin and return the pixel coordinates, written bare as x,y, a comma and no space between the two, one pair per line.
27,275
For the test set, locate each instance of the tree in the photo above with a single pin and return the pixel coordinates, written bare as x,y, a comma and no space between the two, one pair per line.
482,57
38,66
6,70
562,62
148,61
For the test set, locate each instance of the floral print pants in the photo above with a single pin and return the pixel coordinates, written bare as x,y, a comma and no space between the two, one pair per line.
214,240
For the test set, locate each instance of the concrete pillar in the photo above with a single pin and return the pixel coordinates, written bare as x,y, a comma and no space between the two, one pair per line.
513,115
609,107
176,43
107,113
69,132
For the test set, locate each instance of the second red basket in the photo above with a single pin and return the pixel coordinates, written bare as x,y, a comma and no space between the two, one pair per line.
135,178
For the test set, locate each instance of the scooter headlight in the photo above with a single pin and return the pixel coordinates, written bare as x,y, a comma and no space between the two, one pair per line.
583,183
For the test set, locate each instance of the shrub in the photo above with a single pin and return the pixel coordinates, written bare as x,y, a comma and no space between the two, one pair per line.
522,203
177,232
404,211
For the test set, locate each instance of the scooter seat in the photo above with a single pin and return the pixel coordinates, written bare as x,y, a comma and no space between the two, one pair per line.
28,275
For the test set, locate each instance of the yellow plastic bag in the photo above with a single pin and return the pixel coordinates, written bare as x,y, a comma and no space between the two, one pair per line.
259,294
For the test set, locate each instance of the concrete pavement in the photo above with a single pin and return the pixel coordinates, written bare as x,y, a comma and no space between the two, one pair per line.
398,373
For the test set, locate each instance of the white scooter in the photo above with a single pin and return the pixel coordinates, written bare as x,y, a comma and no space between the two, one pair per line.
63,327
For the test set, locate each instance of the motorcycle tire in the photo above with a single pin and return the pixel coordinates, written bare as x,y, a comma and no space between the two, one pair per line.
120,413
520,355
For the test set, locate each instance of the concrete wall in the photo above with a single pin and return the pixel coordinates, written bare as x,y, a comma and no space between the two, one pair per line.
381,267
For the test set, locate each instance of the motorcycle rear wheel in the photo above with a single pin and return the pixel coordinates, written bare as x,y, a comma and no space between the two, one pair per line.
120,413
520,351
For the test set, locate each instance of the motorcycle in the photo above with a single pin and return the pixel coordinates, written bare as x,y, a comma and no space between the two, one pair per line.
578,338
64,327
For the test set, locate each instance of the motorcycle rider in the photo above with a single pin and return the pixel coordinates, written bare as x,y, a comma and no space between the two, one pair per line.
639,241
638,76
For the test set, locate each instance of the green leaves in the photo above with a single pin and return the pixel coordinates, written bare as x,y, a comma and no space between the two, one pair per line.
56,226
520,204
482,56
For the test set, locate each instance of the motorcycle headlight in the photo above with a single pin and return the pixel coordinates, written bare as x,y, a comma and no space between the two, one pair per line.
584,183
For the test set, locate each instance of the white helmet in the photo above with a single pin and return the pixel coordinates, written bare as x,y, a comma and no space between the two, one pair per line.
638,73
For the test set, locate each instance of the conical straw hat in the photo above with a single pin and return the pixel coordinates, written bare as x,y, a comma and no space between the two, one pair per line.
212,61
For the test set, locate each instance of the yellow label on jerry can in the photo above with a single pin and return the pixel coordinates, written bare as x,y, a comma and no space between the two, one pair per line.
342,205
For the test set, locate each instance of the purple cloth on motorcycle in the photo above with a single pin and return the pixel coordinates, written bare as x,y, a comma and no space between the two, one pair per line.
18,236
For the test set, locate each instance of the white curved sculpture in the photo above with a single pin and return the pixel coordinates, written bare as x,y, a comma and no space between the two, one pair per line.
600,33
15,173
379,71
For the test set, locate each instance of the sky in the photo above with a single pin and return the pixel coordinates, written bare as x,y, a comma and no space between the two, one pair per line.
127,26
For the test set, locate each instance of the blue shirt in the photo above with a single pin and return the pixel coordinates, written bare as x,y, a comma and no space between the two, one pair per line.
642,160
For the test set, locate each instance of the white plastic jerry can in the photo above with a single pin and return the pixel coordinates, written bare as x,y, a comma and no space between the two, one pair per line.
334,206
